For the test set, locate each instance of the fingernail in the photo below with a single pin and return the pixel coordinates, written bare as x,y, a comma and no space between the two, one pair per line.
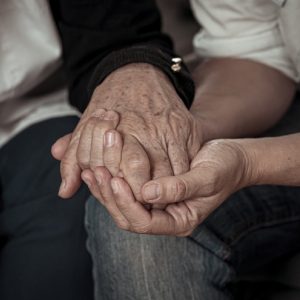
115,186
62,187
109,139
151,192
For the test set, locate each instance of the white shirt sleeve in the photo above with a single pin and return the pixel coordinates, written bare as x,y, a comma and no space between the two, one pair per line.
242,29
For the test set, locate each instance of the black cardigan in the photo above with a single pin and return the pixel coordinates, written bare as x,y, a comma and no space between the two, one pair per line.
99,36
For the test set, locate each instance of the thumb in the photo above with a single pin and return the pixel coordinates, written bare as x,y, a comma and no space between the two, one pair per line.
59,148
198,182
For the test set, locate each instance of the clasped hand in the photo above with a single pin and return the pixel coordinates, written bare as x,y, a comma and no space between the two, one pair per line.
142,161
217,170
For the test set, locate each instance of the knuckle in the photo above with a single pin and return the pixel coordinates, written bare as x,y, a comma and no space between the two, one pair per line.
180,190
141,229
135,162
111,115
84,165
122,204
185,234
94,163
193,222
122,225
181,165
193,218
186,220
110,160
211,180
83,161
99,113
66,165
211,186
90,123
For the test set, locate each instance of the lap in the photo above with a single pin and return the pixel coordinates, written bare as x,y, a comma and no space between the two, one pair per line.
42,251
134,266
253,227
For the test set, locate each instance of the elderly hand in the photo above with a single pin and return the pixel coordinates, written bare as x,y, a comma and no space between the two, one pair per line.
153,121
220,168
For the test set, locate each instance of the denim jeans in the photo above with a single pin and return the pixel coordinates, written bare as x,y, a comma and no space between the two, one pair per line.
254,227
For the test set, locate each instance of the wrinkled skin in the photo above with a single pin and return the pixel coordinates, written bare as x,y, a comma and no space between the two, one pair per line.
160,134
220,168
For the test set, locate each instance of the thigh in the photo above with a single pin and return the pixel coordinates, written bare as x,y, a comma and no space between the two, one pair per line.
43,253
144,267
258,224
253,227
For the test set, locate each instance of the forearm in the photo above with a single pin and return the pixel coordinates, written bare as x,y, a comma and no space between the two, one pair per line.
272,160
239,98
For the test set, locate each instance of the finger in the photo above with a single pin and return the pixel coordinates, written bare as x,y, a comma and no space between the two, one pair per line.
140,219
59,148
110,121
89,178
103,120
160,167
97,113
69,168
112,152
103,179
113,116
133,210
179,159
199,182
70,171
85,142
135,165
159,161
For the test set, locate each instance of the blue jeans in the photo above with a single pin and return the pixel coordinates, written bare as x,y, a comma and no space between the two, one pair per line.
255,227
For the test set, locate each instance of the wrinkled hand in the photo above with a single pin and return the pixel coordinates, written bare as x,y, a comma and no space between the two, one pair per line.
153,121
89,152
219,169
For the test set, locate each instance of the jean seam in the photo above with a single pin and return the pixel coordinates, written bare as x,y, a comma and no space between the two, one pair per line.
223,254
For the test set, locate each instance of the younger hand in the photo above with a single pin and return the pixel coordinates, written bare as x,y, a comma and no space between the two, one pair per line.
220,168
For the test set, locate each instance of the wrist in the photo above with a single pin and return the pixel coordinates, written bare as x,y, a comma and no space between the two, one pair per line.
120,83
138,72
145,54
251,170
134,85
137,88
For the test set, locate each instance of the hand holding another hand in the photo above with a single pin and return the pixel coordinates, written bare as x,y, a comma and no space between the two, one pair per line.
220,168
160,134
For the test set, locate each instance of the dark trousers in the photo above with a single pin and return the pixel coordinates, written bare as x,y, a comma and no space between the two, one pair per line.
42,237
